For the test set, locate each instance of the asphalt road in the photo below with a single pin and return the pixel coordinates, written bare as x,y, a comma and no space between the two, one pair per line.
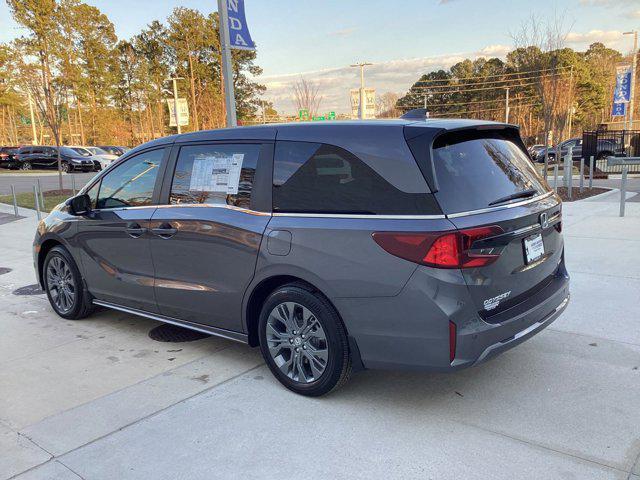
48,181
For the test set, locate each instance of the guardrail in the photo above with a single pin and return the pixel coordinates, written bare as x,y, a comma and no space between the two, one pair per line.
625,163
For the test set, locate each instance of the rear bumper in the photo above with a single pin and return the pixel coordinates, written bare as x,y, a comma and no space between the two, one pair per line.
411,330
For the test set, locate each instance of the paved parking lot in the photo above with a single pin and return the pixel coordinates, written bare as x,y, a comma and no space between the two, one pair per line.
98,399
48,181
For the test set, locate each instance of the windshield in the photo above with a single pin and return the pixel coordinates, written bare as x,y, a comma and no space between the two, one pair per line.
75,151
475,170
97,151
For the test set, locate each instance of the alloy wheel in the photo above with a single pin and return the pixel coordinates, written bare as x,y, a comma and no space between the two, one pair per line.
61,284
25,166
297,342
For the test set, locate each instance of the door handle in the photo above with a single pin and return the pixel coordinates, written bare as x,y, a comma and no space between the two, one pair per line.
134,230
165,230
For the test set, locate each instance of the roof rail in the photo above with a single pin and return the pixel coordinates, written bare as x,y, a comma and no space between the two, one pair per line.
416,114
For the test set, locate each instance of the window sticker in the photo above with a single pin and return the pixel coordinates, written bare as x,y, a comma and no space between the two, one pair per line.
216,173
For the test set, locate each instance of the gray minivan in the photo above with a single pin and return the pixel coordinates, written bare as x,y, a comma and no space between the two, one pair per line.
406,244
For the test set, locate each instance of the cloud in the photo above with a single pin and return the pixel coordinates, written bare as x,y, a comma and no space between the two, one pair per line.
609,36
609,3
635,14
390,76
344,32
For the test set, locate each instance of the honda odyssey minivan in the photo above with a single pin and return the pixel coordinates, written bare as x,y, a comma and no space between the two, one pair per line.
417,243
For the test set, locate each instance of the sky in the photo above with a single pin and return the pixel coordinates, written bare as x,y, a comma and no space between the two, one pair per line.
318,40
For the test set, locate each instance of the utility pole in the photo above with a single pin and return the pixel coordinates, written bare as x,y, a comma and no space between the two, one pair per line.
633,77
264,117
506,107
175,102
227,71
33,121
362,96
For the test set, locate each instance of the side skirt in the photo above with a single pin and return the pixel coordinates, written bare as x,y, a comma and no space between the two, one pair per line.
218,332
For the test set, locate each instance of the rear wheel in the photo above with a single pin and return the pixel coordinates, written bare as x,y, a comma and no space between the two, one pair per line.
64,286
303,341
25,166
65,167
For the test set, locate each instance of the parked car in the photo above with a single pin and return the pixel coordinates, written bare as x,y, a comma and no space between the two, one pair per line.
416,244
38,156
605,148
114,150
8,157
99,157
534,149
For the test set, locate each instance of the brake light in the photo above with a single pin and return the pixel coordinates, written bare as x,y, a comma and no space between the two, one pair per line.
441,249
452,341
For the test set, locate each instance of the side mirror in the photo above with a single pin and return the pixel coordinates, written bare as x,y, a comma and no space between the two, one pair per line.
79,205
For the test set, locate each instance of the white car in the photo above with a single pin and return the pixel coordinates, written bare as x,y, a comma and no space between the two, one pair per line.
105,158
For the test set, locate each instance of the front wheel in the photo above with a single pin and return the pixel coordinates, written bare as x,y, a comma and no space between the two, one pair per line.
303,341
25,166
64,286
65,167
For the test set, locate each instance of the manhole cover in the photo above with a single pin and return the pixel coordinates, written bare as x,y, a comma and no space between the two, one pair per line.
4,270
29,290
174,334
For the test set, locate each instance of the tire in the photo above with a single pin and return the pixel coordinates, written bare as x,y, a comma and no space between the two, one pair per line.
300,376
25,166
59,260
65,167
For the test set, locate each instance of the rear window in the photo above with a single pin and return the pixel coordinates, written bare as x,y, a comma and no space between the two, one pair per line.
476,169
321,178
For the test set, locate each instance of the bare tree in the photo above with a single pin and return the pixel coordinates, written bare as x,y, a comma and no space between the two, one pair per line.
386,105
49,97
539,45
306,96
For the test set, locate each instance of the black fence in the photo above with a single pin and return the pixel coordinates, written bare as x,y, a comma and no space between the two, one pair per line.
601,144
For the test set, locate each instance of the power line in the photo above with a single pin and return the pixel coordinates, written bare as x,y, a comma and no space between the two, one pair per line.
508,83
436,115
447,104
494,76
462,89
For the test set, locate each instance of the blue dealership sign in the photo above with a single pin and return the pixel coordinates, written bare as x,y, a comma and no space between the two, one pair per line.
622,93
239,35
619,110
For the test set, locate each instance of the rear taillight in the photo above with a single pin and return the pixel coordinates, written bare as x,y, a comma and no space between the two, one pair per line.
441,249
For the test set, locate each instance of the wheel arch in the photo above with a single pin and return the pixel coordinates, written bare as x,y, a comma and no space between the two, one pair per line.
259,292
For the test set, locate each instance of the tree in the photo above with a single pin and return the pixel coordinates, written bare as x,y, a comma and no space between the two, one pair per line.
43,40
538,49
306,96
386,105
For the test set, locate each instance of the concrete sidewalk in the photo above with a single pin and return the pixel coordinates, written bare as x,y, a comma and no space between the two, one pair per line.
98,399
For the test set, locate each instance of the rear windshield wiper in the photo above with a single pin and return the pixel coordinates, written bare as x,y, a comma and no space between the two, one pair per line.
523,194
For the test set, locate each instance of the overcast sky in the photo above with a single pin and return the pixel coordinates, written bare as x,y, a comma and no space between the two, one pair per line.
404,39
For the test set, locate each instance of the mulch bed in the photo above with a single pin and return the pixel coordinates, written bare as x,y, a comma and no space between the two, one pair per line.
576,195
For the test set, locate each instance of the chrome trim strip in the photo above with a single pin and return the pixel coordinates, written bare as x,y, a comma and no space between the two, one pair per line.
365,216
218,332
500,207
536,326
186,205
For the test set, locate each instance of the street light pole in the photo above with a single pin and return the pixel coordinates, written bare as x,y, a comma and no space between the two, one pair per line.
227,70
361,107
506,107
633,75
33,120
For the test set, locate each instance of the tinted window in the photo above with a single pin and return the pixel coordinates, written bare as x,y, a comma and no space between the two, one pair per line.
319,178
24,150
37,150
215,174
474,169
93,194
131,184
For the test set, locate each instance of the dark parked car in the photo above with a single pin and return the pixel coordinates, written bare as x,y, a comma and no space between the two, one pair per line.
47,157
114,150
8,157
412,244
605,148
